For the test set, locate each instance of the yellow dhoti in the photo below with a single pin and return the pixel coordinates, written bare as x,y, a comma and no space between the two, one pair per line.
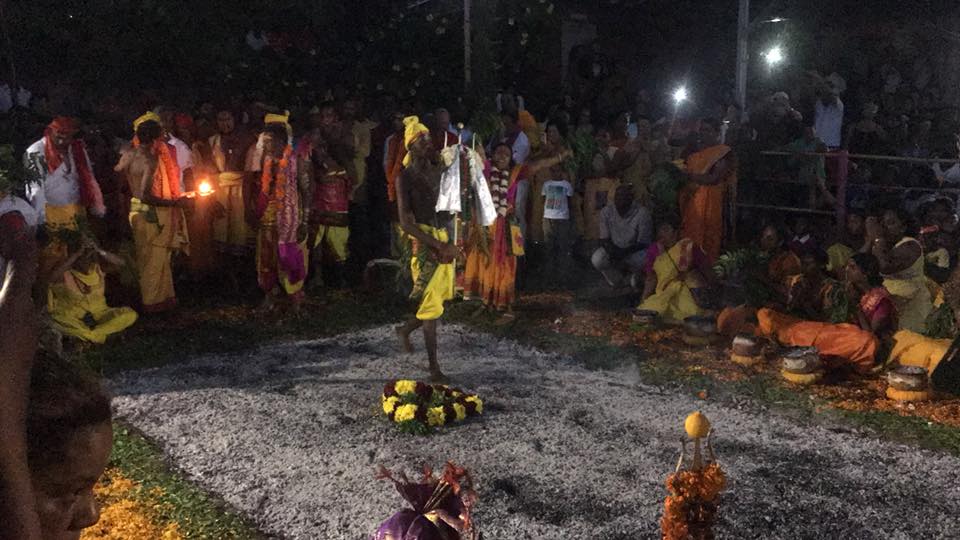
58,220
231,232
432,281
335,239
158,231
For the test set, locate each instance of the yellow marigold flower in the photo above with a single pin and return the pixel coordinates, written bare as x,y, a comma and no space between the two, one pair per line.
478,401
405,387
460,410
435,416
389,404
405,412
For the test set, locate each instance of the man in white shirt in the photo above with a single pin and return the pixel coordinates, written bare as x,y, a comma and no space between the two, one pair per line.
626,229
828,115
61,186
514,136
168,120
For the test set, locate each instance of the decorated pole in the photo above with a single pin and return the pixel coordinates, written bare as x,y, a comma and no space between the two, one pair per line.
467,46
689,511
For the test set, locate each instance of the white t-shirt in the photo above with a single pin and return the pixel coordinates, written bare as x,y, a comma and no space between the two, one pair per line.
184,157
828,122
558,193
58,188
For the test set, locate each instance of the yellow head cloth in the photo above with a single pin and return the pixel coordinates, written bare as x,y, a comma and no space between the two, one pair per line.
147,117
282,119
413,130
272,118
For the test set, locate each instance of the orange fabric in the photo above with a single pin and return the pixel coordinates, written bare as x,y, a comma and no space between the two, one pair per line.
736,320
166,182
782,266
702,206
396,152
491,280
838,343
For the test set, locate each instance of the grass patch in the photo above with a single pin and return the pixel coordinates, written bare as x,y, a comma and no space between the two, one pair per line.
172,498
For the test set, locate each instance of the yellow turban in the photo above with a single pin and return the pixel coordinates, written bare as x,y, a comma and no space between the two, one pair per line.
413,130
272,118
147,117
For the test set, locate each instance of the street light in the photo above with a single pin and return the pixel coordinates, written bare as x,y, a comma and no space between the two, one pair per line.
680,95
774,56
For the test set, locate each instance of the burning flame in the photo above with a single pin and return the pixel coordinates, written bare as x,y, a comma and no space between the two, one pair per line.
205,188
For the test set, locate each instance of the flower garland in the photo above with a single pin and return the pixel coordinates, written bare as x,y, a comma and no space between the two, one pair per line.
418,407
690,509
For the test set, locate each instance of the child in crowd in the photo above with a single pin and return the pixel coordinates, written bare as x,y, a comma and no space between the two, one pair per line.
557,226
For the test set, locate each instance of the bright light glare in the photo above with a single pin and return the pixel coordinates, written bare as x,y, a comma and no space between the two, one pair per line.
776,20
680,94
774,56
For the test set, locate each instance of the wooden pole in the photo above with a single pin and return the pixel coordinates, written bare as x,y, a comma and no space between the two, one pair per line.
467,46
743,56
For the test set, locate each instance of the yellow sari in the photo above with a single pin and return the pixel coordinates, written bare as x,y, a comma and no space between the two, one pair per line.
673,299
80,299
910,294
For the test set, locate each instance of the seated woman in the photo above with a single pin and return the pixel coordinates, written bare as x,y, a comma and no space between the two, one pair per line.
783,265
851,242
901,263
675,269
76,298
69,438
842,344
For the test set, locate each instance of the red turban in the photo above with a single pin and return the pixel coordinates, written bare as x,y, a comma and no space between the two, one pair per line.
64,125
183,120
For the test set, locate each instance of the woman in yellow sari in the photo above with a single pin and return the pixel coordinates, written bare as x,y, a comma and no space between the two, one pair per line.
713,179
901,263
76,299
675,268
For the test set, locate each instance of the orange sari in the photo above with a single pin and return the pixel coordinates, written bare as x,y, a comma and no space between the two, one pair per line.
703,206
838,343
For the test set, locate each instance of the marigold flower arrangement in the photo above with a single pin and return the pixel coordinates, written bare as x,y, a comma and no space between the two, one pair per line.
689,511
419,408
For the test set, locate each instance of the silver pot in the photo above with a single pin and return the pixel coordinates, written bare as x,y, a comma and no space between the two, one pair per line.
801,360
746,345
700,326
645,316
909,378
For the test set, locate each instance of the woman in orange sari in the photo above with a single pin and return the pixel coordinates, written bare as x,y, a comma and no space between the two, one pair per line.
782,267
713,179
841,344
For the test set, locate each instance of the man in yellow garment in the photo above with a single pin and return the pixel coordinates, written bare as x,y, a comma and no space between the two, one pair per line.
156,214
432,266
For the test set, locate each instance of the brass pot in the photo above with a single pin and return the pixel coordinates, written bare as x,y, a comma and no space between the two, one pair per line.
910,378
801,360
746,345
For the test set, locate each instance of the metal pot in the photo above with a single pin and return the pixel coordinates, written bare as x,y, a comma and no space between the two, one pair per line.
746,345
700,326
801,360
908,378
645,316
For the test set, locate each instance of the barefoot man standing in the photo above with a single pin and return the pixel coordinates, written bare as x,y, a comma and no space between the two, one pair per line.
432,266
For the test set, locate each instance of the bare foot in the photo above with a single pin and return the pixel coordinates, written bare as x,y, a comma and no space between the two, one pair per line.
437,377
405,345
